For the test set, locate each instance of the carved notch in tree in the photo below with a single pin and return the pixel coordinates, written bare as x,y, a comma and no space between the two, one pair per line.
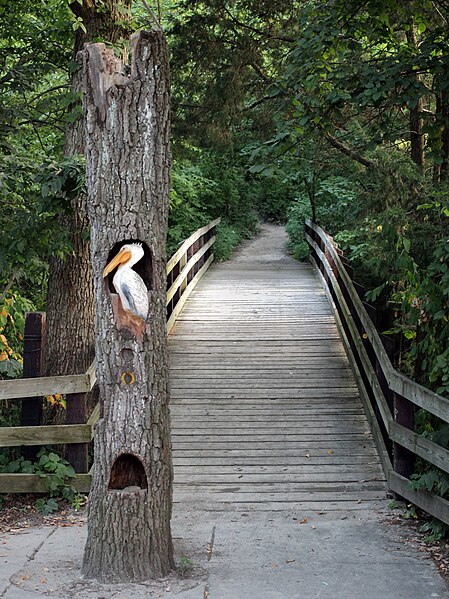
128,176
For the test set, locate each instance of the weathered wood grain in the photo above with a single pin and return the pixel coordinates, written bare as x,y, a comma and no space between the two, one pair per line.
265,409
45,435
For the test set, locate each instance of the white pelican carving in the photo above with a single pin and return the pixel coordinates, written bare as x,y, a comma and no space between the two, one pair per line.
128,284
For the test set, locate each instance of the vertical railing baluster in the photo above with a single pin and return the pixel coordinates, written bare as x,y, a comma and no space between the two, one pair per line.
33,341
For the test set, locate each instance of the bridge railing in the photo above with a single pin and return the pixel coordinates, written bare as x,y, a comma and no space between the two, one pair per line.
184,269
389,397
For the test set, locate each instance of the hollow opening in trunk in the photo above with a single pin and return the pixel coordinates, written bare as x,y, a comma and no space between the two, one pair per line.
127,471
144,267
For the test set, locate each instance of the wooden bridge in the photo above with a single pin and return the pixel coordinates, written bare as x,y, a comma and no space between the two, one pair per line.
266,412
282,392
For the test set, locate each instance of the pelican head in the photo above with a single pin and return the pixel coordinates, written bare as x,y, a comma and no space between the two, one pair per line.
128,254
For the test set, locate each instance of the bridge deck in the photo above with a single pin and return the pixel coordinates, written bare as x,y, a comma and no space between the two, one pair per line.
265,409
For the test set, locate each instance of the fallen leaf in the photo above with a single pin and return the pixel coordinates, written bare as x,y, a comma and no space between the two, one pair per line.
304,521
330,452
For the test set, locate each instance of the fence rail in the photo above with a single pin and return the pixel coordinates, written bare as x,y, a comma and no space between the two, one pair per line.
389,397
184,269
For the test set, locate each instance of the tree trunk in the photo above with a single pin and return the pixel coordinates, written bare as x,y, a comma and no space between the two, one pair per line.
128,171
415,116
416,134
444,114
69,346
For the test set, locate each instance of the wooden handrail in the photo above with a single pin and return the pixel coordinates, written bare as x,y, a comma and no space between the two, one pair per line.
379,382
46,385
186,267
189,265
398,382
187,243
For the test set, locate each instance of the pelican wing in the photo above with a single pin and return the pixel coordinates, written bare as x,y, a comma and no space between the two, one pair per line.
134,295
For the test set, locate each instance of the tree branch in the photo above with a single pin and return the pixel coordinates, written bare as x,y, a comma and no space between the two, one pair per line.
354,154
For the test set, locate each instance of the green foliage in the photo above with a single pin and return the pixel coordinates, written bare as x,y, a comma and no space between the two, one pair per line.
435,529
298,212
10,412
199,195
56,473
185,565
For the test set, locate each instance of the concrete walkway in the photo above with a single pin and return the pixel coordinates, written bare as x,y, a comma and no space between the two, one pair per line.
294,549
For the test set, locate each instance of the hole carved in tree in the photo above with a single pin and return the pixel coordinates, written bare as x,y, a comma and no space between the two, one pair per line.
127,473
144,268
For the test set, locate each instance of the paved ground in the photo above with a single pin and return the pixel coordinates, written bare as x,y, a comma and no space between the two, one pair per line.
301,551
238,556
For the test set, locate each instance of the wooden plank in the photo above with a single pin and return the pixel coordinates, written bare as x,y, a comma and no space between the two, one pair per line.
250,427
419,395
432,504
269,507
356,471
91,374
421,446
19,388
279,460
32,483
94,417
57,434
234,496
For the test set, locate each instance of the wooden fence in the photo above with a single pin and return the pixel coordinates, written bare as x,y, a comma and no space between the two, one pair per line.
389,397
184,269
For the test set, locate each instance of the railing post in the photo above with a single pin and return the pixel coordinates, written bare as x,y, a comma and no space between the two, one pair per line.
403,413
76,413
182,263
32,367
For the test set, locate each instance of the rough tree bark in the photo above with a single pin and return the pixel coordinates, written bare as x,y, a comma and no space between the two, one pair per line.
128,171
415,117
69,346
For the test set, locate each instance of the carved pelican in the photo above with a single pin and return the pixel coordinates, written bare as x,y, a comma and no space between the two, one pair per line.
128,284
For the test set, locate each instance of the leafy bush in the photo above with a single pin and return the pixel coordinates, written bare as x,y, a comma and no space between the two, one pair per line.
52,469
297,213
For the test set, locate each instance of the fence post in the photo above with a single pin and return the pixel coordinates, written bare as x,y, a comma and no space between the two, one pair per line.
403,459
76,413
32,367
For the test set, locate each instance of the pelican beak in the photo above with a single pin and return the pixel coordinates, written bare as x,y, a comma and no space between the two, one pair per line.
122,257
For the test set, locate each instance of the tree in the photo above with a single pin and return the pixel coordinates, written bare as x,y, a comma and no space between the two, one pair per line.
128,174
366,73
70,300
